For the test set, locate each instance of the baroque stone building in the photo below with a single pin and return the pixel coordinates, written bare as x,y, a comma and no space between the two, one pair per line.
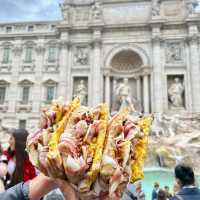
144,52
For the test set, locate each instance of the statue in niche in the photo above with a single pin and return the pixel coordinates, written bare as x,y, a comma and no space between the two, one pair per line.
96,11
123,96
191,5
175,93
81,92
174,53
155,8
81,56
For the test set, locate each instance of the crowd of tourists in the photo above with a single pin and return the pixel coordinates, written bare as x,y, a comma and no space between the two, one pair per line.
22,181
162,193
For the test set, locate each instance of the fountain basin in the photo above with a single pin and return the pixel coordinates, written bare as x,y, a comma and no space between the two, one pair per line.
162,176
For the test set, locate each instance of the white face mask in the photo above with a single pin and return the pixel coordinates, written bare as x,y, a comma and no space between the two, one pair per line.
11,167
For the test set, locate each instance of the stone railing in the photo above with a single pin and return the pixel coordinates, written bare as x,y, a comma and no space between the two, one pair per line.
5,67
24,106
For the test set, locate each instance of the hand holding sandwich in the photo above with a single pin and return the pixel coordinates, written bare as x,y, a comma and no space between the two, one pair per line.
46,185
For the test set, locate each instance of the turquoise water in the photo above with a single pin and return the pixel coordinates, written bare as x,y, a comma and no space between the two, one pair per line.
164,177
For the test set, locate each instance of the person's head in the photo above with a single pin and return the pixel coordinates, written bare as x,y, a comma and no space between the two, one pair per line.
138,186
156,186
166,188
82,82
176,80
161,195
176,188
184,175
17,143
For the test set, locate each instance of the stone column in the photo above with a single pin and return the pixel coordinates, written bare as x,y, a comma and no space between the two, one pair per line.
62,91
138,86
96,69
37,88
16,67
195,73
107,89
157,72
146,93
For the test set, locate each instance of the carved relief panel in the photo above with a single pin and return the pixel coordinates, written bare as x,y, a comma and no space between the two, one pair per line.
81,14
170,8
174,52
176,92
81,56
80,89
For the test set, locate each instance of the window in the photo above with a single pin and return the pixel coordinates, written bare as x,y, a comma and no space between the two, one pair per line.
25,94
2,94
52,54
28,56
50,93
6,55
30,28
8,29
22,124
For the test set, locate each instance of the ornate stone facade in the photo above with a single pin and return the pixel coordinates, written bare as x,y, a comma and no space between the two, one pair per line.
101,43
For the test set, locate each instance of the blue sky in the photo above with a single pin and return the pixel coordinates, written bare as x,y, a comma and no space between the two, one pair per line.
30,10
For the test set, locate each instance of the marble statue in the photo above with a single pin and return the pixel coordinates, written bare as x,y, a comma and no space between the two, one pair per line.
157,127
191,5
123,95
81,92
81,56
96,11
65,11
175,93
155,7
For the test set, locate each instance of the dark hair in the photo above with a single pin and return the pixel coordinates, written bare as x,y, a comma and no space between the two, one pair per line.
166,187
20,136
161,195
156,184
185,175
1,149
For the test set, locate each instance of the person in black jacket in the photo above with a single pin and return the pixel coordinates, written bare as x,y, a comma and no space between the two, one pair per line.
185,178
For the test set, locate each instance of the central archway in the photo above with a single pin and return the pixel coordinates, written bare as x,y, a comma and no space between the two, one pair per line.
127,62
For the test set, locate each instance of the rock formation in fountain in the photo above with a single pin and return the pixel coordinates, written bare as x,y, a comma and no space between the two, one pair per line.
174,139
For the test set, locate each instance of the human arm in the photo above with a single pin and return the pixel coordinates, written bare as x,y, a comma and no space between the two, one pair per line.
33,190
46,185
37,188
